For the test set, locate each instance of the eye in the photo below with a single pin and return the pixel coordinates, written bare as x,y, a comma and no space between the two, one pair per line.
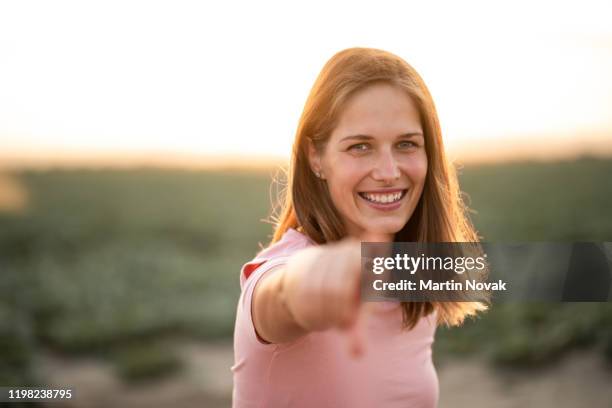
360,147
406,144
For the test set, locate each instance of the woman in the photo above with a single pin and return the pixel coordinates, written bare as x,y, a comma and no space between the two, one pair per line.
368,164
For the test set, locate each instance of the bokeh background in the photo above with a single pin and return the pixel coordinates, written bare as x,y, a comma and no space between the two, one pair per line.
143,148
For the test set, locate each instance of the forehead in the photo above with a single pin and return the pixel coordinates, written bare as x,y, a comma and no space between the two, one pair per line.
378,110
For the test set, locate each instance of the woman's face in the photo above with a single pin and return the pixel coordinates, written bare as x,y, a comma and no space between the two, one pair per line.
375,161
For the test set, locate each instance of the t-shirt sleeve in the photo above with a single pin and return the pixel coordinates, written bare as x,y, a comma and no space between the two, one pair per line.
246,297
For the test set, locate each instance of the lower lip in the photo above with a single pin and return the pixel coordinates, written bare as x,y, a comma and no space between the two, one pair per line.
384,207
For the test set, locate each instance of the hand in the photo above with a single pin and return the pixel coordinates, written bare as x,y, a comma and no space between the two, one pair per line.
323,289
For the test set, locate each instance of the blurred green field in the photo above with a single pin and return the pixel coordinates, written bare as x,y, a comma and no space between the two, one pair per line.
112,262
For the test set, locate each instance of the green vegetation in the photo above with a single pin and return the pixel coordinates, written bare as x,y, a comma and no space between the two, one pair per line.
138,362
99,261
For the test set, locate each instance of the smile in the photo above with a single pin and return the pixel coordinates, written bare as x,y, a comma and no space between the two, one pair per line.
385,199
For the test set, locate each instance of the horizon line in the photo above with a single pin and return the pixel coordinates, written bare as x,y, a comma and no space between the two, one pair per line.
12,162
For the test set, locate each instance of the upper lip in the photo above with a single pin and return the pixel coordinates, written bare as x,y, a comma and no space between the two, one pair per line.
384,191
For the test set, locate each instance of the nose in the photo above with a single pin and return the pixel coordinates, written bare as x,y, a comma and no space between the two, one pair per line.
386,168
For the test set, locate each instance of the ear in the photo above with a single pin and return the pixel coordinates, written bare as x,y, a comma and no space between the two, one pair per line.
314,158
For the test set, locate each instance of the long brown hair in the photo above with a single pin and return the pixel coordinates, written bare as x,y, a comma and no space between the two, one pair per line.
440,215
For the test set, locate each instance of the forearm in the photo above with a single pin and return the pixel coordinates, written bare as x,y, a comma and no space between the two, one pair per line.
271,316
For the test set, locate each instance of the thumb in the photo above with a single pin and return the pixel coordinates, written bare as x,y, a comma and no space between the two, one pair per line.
380,244
373,236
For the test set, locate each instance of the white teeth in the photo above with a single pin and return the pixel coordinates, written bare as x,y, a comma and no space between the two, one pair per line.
383,198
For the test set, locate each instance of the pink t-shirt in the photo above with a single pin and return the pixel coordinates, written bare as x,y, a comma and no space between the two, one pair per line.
316,370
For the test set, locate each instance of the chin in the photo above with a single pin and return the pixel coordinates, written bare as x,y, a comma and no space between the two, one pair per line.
386,228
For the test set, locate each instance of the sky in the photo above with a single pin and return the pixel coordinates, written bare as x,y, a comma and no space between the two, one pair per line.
181,78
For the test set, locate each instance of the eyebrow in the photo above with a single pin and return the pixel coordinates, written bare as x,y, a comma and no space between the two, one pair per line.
368,137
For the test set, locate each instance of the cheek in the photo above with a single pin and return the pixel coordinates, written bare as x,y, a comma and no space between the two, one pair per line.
345,178
416,168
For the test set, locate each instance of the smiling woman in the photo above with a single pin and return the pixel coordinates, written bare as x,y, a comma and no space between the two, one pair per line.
368,164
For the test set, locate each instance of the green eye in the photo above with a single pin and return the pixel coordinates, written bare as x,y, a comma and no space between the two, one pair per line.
406,144
360,147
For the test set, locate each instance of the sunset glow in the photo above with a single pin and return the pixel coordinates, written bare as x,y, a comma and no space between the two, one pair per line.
224,79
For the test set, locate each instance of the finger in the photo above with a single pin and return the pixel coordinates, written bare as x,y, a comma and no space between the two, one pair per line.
357,333
356,338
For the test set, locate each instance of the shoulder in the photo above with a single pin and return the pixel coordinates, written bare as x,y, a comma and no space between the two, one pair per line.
265,263
276,253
